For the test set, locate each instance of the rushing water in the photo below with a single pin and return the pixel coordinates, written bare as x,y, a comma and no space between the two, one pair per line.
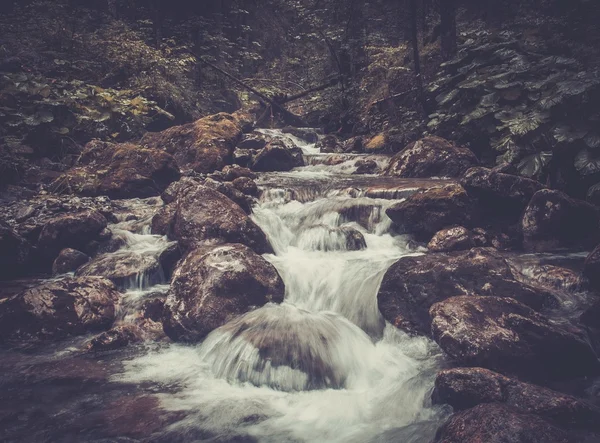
323,365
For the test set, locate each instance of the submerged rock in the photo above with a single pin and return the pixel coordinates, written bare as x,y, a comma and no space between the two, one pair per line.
413,284
205,145
211,286
119,171
326,238
498,423
57,308
425,213
502,334
553,220
431,157
196,214
68,261
464,388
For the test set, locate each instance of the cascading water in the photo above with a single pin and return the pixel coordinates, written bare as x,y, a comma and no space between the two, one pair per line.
323,365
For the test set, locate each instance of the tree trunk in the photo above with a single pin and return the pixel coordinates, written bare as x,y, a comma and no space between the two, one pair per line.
448,28
417,59
158,21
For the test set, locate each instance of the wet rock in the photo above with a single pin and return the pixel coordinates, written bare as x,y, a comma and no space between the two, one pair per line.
464,388
74,231
169,258
553,277
231,192
68,261
231,172
274,157
243,157
500,194
307,134
57,308
413,284
330,144
153,309
126,269
498,423
354,145
205,145
502,334
14,253
246,185
115,338
119,171
425,213
326,238
366,167
214,285
253,141
554,220
200,214
591,268
457,238
431,157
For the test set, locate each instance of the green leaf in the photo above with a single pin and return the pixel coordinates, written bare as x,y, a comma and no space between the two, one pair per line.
445,98
568,134
587,163
533,165
592,140
526,123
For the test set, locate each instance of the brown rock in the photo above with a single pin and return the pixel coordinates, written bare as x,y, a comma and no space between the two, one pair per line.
413,284
554,220
498,423
203,146
457,238
199,215
275,157
57,308
464,388
68,261
231,172
231,192
246,185
431,157
330,144
213,285
425,213
502,334
119,171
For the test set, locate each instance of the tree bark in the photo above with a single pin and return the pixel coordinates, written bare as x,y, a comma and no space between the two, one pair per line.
416,56
448,28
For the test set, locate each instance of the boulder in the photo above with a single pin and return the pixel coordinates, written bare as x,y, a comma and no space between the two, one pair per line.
457,238
213,285
500,195
205,145
553,220
431,157
275,157
199,214
246,185
126,269
57,308
231,192
502,334
498,423
464,388
425,213
552,277
366,167
74,231
231,172
354,145
115,338
14,253
119,171
330,144
253,141
69,260
591,268
413,284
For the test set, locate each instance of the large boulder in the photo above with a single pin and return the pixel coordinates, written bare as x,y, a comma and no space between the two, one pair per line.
58,308
431,157
591,268
502,334
275,157
498,423
456,238
74,231
554,220
196,214
205,145
69,260
413,284
464,388
213,285
502,195
119,171
425,213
